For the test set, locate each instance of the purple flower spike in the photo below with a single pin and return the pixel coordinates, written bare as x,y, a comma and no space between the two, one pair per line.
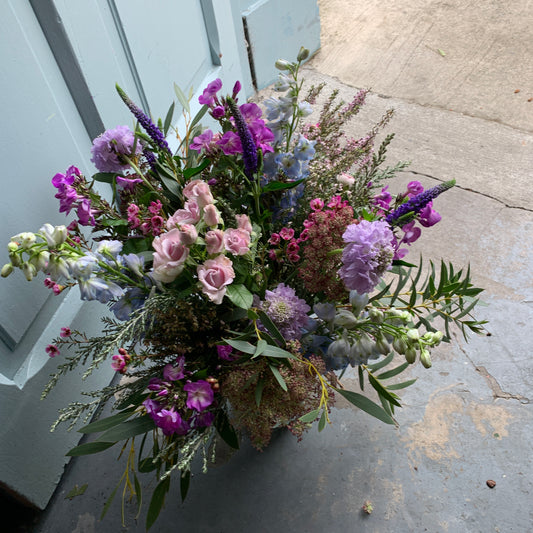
153,131
249,151
406,212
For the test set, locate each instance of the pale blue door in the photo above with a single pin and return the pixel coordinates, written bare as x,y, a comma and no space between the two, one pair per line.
60,60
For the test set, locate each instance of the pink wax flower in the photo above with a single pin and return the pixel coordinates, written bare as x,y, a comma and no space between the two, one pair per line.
317,204
286,234
120,363
237,241
274,239
65,332
214,275
52,350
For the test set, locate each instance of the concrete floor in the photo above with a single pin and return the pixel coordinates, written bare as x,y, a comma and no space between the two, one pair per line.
469,418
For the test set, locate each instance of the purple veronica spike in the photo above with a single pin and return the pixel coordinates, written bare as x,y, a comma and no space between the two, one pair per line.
153,131
406,212
249,150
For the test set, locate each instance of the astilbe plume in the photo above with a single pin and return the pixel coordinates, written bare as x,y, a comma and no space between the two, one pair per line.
325,229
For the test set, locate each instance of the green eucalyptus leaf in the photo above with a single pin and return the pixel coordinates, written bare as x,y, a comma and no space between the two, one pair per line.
89,448
393,372
278,377
168,118
382,391
271,327
182,98
107,423
188,173
322,421
128,429
199,116
310,417
226,430
366,405
403,385
185,481
157,502
260,348
382,363
105,177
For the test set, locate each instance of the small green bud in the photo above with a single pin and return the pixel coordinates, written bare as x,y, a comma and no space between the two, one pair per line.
382,346
400,345
29,271
410,355
282,64
15,259
346,319
425,359
413,335
12,247
40,260
6,270
303,54
376,315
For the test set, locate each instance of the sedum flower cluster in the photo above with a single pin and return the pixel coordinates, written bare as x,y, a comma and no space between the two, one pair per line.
245,273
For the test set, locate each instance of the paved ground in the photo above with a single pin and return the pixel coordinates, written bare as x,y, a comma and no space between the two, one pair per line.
450,70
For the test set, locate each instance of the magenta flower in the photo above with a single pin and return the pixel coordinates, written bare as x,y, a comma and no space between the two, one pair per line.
199,395
52,350
428,216
208,97
203,141
224,352
230,143
65,332
120,363
175,372
170,422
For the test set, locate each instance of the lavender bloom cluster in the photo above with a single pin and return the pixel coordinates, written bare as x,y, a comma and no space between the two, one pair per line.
109,148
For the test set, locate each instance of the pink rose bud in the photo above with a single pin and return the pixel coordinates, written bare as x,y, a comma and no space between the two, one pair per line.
214,241
243,222
169,257
190,214
212,216
188,234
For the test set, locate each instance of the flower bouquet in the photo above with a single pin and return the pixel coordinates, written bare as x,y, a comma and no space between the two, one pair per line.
244,272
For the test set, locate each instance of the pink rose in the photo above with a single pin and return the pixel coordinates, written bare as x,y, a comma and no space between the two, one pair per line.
214,241
188,234
169,257
243,222
237,241
214,275
199,191
190,214
211,215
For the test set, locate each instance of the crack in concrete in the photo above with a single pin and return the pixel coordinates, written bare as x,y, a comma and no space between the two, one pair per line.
407,171
497,391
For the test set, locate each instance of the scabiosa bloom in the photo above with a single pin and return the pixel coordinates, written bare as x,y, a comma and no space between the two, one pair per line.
110,148
286,310
153,131
249,150
407,211
367,256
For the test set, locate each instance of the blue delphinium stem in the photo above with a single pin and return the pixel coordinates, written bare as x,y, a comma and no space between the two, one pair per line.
249,150
153,131
406,212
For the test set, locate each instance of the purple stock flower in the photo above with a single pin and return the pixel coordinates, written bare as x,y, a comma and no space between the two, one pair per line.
249,150
428,216
286,310
170,422
407,211
202,141
85,213
204,419
153,131
367,256
199,395
209,94
230,143
127,184
175,372
109,148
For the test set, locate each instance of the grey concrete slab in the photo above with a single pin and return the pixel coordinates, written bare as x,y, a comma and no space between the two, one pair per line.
469,418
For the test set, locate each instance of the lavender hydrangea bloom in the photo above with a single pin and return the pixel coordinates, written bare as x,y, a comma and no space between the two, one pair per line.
406,212
287,311
108,148
153,131
367,256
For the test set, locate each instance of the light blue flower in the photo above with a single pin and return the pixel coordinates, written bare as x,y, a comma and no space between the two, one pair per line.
305,149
